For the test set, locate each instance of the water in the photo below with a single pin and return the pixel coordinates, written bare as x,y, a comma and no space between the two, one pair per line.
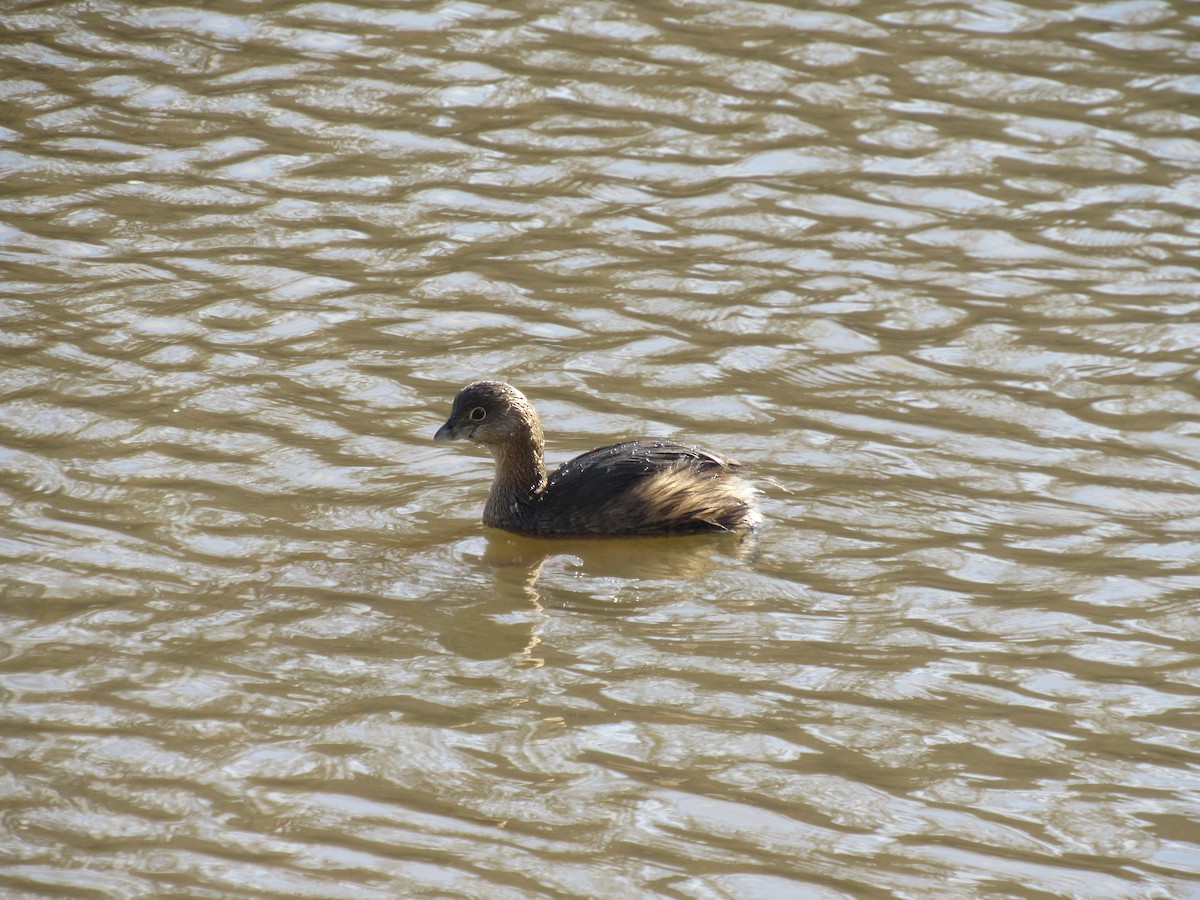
931,269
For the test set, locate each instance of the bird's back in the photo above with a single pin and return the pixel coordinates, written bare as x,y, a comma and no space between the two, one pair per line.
643,487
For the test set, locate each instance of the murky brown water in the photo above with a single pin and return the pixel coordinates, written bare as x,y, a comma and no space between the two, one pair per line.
933,268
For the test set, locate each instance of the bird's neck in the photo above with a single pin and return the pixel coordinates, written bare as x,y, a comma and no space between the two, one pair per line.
520,477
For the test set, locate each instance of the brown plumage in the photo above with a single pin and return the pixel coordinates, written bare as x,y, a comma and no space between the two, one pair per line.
636,487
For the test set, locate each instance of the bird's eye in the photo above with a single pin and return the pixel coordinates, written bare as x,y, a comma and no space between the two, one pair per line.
477,414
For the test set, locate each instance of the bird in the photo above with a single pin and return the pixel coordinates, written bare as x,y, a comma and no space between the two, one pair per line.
638,487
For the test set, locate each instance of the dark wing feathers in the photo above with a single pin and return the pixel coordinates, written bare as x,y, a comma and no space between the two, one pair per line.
610,470
605,479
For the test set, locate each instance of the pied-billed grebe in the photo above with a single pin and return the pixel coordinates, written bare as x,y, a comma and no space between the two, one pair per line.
637,487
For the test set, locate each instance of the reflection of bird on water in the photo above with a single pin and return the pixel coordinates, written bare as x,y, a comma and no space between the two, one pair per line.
633,488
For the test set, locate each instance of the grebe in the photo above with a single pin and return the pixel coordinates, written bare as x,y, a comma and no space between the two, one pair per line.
633,488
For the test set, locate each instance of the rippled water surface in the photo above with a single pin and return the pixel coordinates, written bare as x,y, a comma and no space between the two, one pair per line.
931,268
